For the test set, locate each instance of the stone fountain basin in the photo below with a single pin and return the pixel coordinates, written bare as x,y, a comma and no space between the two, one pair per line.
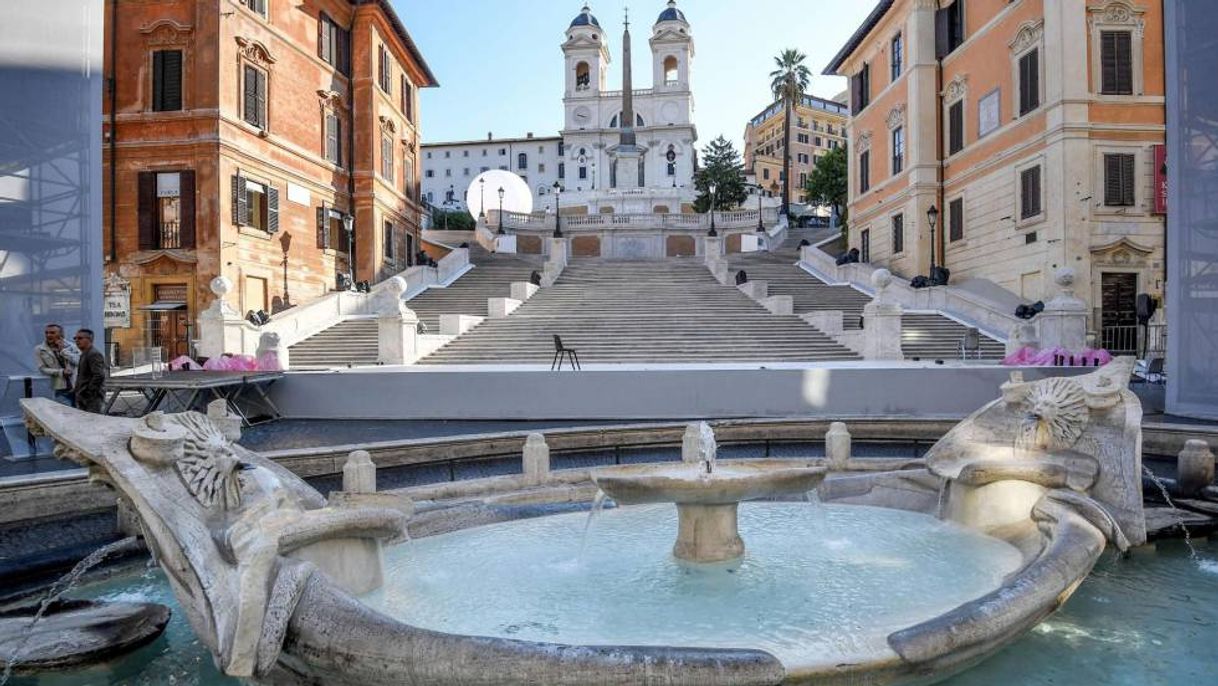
732,481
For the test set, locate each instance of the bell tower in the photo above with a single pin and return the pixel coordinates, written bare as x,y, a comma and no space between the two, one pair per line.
672,50
586,56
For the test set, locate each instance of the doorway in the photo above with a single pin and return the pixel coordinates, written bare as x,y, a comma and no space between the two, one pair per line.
1118,312
169,320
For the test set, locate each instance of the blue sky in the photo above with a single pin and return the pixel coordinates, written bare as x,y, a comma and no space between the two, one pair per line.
500,65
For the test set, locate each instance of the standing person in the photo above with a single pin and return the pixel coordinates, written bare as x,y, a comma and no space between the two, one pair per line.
57,359
91,374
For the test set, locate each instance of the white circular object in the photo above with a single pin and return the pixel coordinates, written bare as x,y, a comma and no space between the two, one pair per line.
516,194
221,285
881,279
1064,277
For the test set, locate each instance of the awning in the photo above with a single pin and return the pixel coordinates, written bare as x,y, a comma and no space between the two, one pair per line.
164,306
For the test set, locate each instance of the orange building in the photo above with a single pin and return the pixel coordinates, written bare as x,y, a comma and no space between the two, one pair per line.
239,134
1032,126
820,126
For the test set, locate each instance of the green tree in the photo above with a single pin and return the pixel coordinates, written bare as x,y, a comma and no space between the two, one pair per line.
453,220
789,82
721,165
828,185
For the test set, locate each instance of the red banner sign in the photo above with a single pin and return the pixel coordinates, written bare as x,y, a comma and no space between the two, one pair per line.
1160,179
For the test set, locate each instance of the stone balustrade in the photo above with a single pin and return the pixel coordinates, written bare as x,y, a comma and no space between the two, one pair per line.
541,221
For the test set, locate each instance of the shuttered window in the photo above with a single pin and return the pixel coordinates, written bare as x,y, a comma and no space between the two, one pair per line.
384,73
1116,62
897,56
334,44
955,219
949,29
333,147
898,150
388,241
898,234
1029,192
955,128
166,80
1119,180
166,210
255,204
864,171
407,99
254,97
1029,82
387,157
865,245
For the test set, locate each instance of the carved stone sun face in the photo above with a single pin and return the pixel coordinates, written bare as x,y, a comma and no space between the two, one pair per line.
1055,415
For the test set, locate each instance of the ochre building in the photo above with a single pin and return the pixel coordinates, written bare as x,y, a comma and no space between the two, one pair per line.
239,135
819,126
1034,127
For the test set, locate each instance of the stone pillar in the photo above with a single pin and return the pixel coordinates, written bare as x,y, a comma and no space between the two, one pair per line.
559,251
397,325
1064,321
216,322
712,248
1194,467
882,322
837,446
359,473
522,290
922,136
228,423
536,459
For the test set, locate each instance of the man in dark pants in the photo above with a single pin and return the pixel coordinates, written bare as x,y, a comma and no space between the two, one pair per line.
90,375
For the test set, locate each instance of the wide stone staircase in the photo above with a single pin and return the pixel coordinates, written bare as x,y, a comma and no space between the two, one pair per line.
354,342
925,336
634,312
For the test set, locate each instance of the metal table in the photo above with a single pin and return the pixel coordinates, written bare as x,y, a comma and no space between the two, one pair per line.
181,390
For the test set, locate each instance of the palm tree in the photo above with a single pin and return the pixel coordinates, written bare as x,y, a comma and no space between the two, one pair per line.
789,82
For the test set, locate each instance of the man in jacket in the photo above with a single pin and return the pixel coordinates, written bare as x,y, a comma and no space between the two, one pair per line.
57,359
90,375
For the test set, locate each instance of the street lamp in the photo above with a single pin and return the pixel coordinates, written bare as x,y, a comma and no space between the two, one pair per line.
760,225
557,209
712,189
450,199
349,227
932,216
501,192
482,199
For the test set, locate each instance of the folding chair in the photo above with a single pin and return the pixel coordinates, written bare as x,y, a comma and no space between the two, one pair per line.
970,343
563,353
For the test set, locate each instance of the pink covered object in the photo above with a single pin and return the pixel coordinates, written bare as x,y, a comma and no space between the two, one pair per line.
269,362
231,363
184,362
1047,357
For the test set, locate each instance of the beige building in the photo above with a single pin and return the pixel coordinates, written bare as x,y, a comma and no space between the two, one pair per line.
1034,127
820,126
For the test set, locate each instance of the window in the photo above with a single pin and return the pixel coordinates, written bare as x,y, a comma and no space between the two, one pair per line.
258,6
541,168
1029,82
408,176
670,70
864,171
384,71
955,127
949,29
562,148
955,220
1029,238
897,59
448,154
502,152
1029,192
448,173
1119,180
898,149
166,208
522,161
333,146
865,245
388,239
465,153
430,173
801,138
803,179
583,77
334,44
583,172
562,170
408,102
1116,62
898,234
387,158
465,171
818,141
166,80
672,168
331,234
254,100
860,89
255,205
765,174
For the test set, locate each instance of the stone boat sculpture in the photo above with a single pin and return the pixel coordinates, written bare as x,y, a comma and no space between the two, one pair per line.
267,570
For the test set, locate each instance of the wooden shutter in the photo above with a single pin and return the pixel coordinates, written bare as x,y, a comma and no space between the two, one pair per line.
332,150
864,171
942,34
1116,63
1029,192
324,38
865,85
898,233
856,100
955,119
955,219
344,51
260,94
241,208
323,225
1119,180
1029,82
147,210
272,209
166,80
186,188
249,103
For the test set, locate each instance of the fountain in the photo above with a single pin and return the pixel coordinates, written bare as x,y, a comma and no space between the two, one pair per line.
902,575
707,494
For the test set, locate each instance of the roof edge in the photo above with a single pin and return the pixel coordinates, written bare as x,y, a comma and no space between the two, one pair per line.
396,22
856,39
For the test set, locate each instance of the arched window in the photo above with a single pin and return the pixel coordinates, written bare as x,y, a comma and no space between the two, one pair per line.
583,77
670,70
541,190
638,120
671,157
522,161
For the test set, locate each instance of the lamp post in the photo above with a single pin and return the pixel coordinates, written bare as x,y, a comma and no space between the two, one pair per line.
501,192
450,199
760,224
557,209
482,199
932,216
712,189
349,227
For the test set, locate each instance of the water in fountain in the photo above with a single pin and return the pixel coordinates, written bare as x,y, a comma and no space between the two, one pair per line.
598,503
61,587
1188,539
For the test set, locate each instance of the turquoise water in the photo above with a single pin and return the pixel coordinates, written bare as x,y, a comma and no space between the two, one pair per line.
1147,620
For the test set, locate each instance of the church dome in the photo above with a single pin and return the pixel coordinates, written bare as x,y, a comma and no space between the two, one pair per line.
672,13
585,18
